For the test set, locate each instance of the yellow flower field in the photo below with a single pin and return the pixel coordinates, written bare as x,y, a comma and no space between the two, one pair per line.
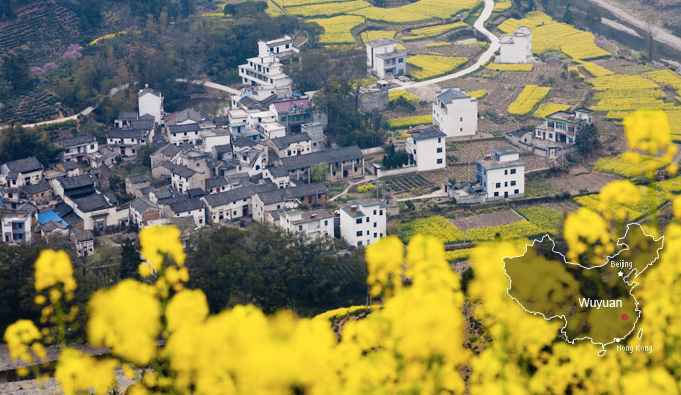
326,9
410,97
478,94
510,67
422,10
272,9
545,109
579,74
528,99
436,226
295,3
432,31
438,44
337,29
594,69
430,65
370,35
549,35
405,122
666,77
547,219
618,166
502,5
458,255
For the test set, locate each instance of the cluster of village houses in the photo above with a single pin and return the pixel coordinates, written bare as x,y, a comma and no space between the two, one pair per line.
255,162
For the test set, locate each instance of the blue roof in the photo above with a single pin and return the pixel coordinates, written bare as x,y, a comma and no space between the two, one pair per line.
50,215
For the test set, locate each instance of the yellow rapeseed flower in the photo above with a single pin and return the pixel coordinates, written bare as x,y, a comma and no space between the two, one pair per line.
188,307
385,263
157,241
584,229
648,131
53,267
80,373
126,318
19,337
621,192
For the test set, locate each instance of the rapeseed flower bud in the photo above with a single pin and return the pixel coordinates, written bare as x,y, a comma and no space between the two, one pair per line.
157,241
19,336
647,131
80,373
53,267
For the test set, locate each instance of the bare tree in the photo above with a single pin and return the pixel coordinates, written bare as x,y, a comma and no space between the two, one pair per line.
651,18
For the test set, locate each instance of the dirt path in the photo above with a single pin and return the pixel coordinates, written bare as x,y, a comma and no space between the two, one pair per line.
659,34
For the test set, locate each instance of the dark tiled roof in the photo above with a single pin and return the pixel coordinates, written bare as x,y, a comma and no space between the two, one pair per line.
138,178
148,90
428,133
192,127
72,219
42,186
69,165
25,165
183,171
106,170
127,116
330,156
188,114
76,182
127,134
222,149
216,182
142,124
62,209
74,141
186,205
168,150
237,194
297,192
83,235
142,205
92,203
283,142
451,94
195,193
245,142
277,171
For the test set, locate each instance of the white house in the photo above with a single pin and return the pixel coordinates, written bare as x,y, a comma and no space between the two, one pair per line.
233,204
83,241
21,172
17,225
314,223
126,142
363,222
384,59
265,70
291,145
562,126
501,174
455,113
516,48
184,134
76,148
426,149
150,102
185,207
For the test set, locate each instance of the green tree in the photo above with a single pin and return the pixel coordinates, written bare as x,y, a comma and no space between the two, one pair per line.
130,260
144,155
318,172
15,71
587,139
568,17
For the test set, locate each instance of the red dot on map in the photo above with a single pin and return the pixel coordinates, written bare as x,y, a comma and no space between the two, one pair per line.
624,317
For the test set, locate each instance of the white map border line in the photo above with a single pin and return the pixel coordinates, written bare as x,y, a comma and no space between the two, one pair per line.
633,285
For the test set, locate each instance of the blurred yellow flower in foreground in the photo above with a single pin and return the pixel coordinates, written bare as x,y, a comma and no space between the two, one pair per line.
647,131
79,373
157,241
53,267
19,336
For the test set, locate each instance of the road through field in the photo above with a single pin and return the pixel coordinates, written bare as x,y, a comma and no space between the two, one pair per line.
479,25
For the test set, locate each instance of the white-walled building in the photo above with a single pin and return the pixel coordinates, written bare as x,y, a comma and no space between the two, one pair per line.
265,70
150,102
501,174
21,172
427,149
126,143
17,225
384,59
516,48
314,223
562,126
455,113
291,145
76,148
184,207
363,222
184,134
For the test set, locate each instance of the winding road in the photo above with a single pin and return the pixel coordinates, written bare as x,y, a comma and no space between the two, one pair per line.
479,25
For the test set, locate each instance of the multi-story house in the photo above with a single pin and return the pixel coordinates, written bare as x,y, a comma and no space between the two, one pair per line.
266,70
363,221
426,149
291,145
342,163
83,241
235,203
265,204
17,173
562,126
384,59
77,148
17,225
185,207
516,47
150,102
455,113
501,174
184,134
314,223
126,143
293,113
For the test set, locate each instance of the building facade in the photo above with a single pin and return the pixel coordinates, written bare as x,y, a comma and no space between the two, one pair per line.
363,222
427,150
516,48
501,174
455,113
384,59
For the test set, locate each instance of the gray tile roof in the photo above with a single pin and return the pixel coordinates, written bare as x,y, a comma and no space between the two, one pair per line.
127,134
192,127
26,165
31,189
188,114
237,194
82,235
127,115
297,192
168,150
148,90
277,171
92,203
141,205
330,156
142,124
80,181
284,142
138,178
186,205
359,203
428,133
451,94
74,141
245,142
183,171
216,182
222,149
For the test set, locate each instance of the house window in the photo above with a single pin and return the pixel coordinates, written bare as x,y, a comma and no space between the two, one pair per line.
400,60
506,172
358,221
375,224
359,243
326,222
496,193
375,235
460,129
359,233
367,233
367,221
439,150
300,227
439,161
380,212
461,119
374,212
498,185
512,183
517,191
506,183
439,139
512,171
92,146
